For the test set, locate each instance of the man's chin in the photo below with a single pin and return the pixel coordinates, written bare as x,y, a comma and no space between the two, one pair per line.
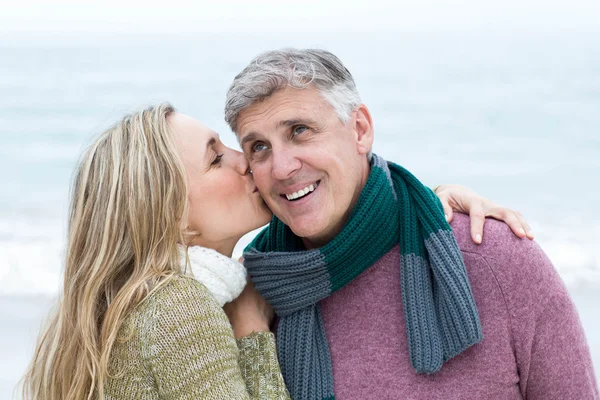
311,234
303,230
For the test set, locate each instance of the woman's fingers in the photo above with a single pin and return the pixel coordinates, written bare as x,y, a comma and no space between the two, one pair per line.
513,219
447,208
477,222
462,199
526,226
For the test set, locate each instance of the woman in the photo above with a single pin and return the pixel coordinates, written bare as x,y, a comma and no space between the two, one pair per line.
157,208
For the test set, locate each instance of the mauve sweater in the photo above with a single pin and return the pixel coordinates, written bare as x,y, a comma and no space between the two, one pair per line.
533,347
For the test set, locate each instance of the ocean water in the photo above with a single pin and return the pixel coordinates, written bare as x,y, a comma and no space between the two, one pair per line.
515,117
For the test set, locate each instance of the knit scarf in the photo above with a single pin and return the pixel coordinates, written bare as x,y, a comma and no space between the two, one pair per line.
393,208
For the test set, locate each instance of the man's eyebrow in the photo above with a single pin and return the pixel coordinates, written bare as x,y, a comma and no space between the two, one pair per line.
297,121
248,138
286,122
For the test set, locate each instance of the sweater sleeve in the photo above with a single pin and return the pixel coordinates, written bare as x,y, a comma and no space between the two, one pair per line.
191,350
553,358
260,368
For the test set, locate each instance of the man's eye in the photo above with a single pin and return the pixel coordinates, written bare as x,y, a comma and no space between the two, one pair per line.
217,159
258,147
296,130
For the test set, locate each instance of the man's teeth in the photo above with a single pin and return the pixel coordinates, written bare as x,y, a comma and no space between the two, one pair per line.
300,193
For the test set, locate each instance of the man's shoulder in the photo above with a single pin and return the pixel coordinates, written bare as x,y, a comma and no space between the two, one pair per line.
515,262
498,239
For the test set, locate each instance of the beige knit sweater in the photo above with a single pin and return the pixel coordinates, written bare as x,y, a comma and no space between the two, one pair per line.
178,344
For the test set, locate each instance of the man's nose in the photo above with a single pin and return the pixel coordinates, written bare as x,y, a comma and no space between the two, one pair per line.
285,163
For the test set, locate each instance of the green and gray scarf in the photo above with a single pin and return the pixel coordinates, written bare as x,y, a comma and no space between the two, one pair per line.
393,208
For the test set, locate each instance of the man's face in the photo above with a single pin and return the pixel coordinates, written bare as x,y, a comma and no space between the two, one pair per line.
309,166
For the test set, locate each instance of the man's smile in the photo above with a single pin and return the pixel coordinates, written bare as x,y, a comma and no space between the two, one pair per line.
297,194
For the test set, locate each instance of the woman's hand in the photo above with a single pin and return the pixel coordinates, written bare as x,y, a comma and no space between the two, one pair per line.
464,200
249,313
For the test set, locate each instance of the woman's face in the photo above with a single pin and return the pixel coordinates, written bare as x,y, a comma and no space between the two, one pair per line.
224,203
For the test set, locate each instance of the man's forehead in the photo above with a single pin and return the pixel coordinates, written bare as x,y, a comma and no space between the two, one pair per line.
277,113
250,132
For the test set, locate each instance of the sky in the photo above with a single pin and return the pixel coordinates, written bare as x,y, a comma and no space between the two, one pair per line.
179,16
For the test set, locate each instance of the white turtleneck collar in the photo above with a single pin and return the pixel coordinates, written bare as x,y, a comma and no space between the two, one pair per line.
224,277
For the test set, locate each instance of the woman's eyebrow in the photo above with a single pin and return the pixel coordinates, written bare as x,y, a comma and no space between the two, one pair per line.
211,142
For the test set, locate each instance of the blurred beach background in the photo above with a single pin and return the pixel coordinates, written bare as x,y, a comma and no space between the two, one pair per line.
501,97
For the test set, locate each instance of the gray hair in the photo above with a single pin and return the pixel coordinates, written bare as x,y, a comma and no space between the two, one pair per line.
274,70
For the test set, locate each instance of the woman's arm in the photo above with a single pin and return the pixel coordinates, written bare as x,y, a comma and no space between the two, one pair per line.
464,200
192,351
250,316
260,367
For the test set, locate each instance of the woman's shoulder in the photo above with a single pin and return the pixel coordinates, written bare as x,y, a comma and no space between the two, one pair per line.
181,286
179,297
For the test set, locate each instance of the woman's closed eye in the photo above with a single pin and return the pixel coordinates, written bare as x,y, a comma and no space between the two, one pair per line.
217,160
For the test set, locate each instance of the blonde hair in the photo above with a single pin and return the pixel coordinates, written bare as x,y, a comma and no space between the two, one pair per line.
128,200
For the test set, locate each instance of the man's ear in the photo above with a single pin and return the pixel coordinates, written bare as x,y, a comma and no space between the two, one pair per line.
363,125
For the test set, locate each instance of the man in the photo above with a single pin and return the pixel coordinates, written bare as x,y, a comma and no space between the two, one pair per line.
377,297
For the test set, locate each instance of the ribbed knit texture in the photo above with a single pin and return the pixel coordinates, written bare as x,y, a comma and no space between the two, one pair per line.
178,344
394,207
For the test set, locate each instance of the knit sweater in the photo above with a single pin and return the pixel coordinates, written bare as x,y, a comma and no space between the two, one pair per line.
179,344
533,347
